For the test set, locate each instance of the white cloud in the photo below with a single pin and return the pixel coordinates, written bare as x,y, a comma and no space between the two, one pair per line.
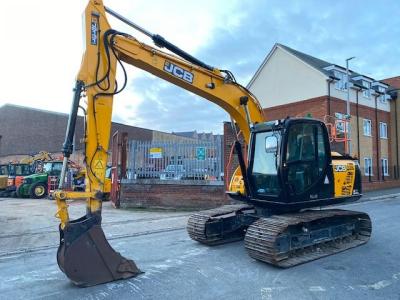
42,45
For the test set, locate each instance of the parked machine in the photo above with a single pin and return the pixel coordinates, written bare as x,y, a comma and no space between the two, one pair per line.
27,166
16,171
289,168
36,185
43,183
4,170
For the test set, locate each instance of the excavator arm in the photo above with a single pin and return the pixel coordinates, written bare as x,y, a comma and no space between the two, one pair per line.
41,156
84,254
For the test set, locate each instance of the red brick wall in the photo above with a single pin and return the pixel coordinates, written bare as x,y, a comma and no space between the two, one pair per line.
318,108
380,185
315,107
149,194
394,81
368,113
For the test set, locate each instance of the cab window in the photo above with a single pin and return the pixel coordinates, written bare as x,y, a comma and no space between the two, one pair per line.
306,156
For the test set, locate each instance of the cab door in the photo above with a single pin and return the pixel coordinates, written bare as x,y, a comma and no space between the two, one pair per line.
307,171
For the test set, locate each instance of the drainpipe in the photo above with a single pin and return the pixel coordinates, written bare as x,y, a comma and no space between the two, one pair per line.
358,126
397,139
395,96
358,88
377,94
329,81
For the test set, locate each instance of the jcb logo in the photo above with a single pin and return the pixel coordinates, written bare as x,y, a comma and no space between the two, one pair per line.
340,168
178,72
94,27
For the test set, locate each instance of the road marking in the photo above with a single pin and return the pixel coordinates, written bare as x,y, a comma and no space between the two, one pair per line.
377,285
381,284
266,292
316,289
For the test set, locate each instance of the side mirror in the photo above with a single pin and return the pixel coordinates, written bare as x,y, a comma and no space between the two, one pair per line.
271,144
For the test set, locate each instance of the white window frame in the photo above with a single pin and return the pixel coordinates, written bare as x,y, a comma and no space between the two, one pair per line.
370,127
383,133
366,92
366,169
382,97
385,165
340,84
340,125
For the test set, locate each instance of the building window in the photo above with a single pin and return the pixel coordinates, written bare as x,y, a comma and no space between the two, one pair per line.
367,91
382,97
367,127
385,166
342,82
340,123
383,130
367,166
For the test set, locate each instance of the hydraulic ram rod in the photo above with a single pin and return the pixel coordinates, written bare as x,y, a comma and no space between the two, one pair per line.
160,41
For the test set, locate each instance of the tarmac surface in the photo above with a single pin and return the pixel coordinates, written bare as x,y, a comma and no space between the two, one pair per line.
178,268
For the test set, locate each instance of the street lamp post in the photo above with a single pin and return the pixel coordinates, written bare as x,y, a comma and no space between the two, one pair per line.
348,115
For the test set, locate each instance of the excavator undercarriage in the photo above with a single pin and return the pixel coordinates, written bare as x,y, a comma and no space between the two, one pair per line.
282,240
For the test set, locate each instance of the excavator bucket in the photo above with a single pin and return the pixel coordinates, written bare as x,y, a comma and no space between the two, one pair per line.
86,257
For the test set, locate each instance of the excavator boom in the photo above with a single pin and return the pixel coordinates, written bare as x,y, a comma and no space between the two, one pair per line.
97,262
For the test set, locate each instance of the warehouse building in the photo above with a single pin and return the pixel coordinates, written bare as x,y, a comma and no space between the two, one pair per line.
26,131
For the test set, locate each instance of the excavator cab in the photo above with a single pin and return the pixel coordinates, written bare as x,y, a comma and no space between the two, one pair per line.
290,163
290,167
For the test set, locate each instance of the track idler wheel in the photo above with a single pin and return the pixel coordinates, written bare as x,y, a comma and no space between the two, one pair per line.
86,257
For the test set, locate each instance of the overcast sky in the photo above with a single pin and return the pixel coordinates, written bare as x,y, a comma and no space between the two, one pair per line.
41,49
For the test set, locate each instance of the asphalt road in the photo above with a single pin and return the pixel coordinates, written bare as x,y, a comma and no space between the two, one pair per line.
178,268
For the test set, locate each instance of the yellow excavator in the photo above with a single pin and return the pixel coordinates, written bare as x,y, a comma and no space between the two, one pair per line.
289,167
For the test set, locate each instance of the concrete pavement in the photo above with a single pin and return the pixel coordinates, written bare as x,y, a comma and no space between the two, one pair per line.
177,267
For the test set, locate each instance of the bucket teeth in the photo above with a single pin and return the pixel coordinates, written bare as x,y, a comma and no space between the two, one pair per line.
86,257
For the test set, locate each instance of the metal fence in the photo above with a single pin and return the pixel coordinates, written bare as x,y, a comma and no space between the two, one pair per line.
175,161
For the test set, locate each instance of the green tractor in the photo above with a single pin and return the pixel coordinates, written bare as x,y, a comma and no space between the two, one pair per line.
36,185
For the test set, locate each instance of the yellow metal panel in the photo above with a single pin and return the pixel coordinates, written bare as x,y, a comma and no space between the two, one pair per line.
344,175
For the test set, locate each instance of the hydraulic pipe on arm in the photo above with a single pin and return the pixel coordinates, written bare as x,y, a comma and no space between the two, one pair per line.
84,254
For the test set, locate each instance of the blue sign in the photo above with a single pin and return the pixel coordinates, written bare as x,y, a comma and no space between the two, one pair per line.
201,153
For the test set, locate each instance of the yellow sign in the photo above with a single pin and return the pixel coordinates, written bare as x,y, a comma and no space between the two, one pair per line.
155,152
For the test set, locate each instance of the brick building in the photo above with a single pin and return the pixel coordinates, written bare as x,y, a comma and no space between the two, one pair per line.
292,83
26,131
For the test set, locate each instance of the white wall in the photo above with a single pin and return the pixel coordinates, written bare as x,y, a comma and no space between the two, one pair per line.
370,102
285,79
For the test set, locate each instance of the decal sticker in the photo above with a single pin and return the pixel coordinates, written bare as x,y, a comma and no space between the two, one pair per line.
178,72
94,30
340,168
